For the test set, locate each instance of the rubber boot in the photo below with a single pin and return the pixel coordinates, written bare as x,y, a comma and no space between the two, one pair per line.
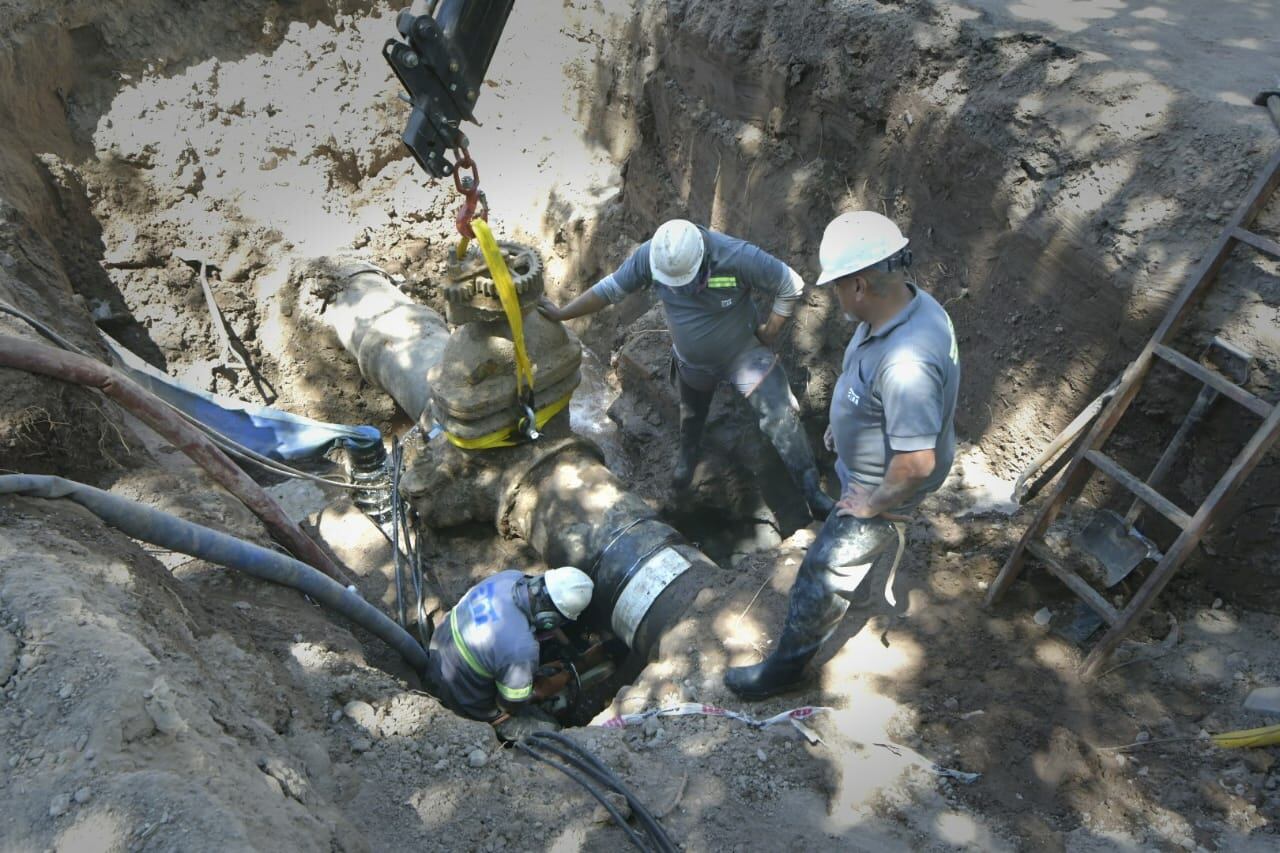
694,405
786,667
773,404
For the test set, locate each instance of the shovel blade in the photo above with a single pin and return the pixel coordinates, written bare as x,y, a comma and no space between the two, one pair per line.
1106,538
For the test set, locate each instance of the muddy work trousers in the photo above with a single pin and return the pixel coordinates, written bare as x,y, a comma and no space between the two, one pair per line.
838,562
757,375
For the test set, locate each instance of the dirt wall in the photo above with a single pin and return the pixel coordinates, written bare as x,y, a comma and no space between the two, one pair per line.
1056,198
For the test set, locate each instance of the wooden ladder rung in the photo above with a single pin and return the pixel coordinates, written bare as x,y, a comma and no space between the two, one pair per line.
1214,380
1074,582
1257,241
1149,496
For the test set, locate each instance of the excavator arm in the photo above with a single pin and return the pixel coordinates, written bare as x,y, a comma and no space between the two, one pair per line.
441,60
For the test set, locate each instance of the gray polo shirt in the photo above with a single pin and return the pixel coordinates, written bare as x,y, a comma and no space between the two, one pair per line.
485,648
712,324
897,393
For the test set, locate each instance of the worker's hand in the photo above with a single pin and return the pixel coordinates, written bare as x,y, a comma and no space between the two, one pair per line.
549,309
856,502
525,723
829,439
766,336
768,331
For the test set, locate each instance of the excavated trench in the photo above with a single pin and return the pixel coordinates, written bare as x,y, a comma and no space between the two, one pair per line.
264,136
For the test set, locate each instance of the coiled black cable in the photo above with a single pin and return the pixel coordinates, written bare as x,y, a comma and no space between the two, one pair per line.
589,772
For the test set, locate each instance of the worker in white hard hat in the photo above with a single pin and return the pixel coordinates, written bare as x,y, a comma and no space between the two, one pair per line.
891,427
483,658
705,282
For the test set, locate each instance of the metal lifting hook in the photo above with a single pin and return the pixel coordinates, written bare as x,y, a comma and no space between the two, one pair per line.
529,423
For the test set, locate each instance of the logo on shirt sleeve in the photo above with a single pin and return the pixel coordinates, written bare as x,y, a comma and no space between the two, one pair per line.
853,397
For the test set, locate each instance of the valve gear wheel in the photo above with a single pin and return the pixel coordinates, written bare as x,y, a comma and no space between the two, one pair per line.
471,274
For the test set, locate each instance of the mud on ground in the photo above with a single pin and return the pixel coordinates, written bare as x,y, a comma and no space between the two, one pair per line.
1058,173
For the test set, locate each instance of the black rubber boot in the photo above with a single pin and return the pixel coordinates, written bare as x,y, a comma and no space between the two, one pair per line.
694,405
786,668
778,673
780,423
813,612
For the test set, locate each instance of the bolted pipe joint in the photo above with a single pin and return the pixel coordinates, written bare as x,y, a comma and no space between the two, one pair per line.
574,511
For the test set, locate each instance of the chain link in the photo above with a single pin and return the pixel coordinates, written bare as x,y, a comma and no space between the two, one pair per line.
475,205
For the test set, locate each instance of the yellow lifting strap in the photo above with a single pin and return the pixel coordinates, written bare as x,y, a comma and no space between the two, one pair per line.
509,298
1265,736
524,367
504,436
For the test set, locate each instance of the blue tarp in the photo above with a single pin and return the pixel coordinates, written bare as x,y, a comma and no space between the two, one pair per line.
270,432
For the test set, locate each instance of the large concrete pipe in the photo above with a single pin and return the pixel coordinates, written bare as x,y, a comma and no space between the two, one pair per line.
393,339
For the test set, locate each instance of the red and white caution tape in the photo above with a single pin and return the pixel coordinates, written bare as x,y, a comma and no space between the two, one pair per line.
795,717
696,709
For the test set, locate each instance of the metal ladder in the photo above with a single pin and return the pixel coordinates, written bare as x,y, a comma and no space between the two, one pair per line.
1089,456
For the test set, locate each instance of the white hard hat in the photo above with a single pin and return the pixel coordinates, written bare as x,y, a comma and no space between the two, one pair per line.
675,252
570,590
857,240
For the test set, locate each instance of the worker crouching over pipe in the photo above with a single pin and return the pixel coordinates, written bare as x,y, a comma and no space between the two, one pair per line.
558,495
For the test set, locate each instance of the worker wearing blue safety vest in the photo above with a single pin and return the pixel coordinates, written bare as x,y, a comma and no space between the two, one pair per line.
705,282
484,656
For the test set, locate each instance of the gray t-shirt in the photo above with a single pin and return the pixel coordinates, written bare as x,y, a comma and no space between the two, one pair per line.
485,648
712,324
897,393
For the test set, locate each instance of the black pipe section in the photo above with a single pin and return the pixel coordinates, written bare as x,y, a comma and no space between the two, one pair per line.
571,509
186,537
367,466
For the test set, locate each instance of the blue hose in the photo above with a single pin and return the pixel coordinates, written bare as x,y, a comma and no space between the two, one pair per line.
176,534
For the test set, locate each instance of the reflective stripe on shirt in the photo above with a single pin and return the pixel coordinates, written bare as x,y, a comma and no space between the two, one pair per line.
462,647
515,694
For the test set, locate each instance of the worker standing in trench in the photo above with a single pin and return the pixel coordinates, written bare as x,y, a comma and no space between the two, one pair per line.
891,426
483,658
705,280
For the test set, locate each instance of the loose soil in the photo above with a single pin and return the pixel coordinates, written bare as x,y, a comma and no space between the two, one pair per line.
1060,169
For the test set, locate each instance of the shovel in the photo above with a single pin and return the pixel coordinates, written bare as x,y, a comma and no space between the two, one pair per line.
1114,540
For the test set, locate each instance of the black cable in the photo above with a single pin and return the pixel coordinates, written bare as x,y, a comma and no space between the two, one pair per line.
605,778
426,628
404,546
44,330
583,758
530,747
396,509
578,755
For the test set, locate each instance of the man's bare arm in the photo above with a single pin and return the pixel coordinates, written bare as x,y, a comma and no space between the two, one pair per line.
904,476
583,304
